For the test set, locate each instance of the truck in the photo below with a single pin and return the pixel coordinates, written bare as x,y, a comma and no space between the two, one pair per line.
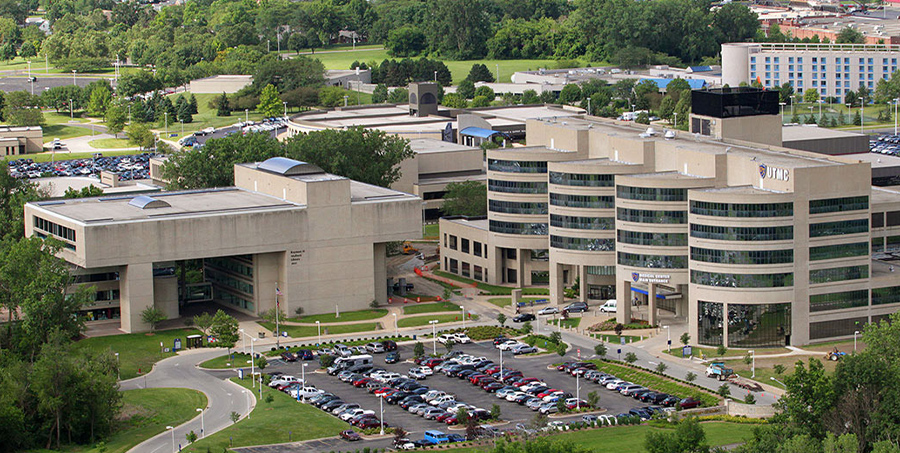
718,371
408,249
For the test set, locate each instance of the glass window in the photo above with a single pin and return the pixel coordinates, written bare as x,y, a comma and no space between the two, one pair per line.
653,261
582,223
651,193
742,256
889,295
54,229
838,204
601,270
753,326
466,270
838,301
742,280
464,245
836,328
838,228
227,280
583,201
232,265
476,248
477,274
644,216
531,229
540,255
454,266
517,207
742,209
540,277
452,242
581,179
711,325
838,274
722,233
517,166
827,252
590,244
655,239
496,185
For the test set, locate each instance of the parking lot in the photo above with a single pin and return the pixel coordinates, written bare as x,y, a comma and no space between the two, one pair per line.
535,366
136,166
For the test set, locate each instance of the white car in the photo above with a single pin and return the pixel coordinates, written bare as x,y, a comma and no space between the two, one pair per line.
513,395
347,415
446,338
507,343
388,376
612,385
432,394
283,380
424,370
415,373
548,311
510,345
441,399
462,338
307,392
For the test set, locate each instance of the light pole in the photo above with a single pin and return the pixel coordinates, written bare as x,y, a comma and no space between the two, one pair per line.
862,116
776,380
118,373
676,120
849,110
166,116
753,363
172,428
246,115
820,101
73,77
668,339
782,104
202,423
896,110
285,108
345,100
435,76
396,327
303,378
30,79
855,333
244,347
71,110
464,315
589,106
381,416
501,364
319,330
577,392
434,335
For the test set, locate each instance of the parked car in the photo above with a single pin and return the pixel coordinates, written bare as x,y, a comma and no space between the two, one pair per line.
389,345
690,403
576,307
548,311
350,435
524,317
523,349
375,348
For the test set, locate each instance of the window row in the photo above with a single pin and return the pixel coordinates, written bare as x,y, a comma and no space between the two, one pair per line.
589,244
654,239
600,270
889,295
651,193
517,166
893,244
581,179
234,299
465,269
838,204
749,325
836,328
530,229
497,185
722,233
230,265
583,201
653,261
742,280
582,223
827,252
742,256
644,216
227,280
838,301
54,229
98,277
742,209
453,243
838,228
517,207
838,274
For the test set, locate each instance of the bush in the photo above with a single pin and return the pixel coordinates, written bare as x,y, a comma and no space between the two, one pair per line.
750,399
631,358
661,367
690,377
724,391
721,350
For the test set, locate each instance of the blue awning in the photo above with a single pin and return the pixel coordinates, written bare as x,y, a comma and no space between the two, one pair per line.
658,296
695,84
478,132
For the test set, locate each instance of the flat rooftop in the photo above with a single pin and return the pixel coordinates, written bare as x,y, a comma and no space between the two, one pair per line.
431,145
791,133
481,224
360,191
883,195
599,161
673,175
740,190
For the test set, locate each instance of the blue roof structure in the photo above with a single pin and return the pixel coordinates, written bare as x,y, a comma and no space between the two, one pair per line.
700,68
479,132
145,202
695,84
288,167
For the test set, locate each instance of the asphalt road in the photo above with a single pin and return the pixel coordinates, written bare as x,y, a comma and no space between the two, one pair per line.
43,82
223,397
220,133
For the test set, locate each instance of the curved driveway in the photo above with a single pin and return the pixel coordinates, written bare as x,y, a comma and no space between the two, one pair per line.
223,397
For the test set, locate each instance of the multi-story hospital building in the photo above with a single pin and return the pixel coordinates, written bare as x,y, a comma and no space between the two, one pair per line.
754,244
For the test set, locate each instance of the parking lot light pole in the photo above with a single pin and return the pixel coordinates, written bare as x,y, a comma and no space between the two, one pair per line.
464,315
381,418
855,333
501,364
202,423
434,335
118,373
319,329
172,428
577,392
246,115
285,108
396,327
73,77
668,339
166,116
753,363
303,378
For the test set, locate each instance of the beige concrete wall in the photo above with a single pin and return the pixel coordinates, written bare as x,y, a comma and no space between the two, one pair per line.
165,295
220,84
136,294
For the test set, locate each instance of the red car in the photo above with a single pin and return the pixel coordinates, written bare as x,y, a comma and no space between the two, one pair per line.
451,420
581,403
473,379
546,393
382,391
492,370
443,417
492,387
362,382
431,363
370,423
525,381
350,435
562,366
689,403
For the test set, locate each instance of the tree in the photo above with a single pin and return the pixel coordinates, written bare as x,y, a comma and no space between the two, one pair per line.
527,328
406,41
203,322
593,399
99,101
485,91
688,437
192,103
561,349
501,319
721,350
139,134
530,97
600,349
269,102
467,198
857,119
22,109
380,94
466,89
399,434
480,73
184,113
153,316
851,98
459,29
261,362
366,155
454,101
495,412
213,165
191,437
89,191
419,349
811,95
287,75
778,369
631,357
222,106
398,96
849,35
225,329
116,117
303,97
132,83
661,367
667,108
570,94
724,391
480,101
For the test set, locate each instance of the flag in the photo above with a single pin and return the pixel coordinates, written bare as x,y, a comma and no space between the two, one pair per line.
277,302
277,291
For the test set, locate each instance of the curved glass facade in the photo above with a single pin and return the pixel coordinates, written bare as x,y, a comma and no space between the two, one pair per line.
827,252
653,261
591,244
723,280
651,193
742,256
742,209
722,233
889,295
582,223
656,239
516,207
583,201
517,166
837,301
838,205
528,229
581,179
754,326
711,325
644,216
838,228
838,274
497,185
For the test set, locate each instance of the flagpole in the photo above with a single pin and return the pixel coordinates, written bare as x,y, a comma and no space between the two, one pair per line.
277,329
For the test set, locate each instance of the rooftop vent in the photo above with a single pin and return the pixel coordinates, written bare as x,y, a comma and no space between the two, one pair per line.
288,167
670,135
145,202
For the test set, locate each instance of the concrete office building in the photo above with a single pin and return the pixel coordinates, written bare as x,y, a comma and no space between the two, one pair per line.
831,69
319,238
15,141
752,244
218,84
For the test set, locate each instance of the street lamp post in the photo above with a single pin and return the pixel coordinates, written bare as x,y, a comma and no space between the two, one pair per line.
118,373
676,120
501,364
285,108
71,110
435,76
434,335
896,110
345,100
577,392
73,77
668,339
855,333
166,116
303,378
202,423
464,315
396,327
753,363
589,105
381,416
172,428
246,115
776,380
319,330
782,104
862,116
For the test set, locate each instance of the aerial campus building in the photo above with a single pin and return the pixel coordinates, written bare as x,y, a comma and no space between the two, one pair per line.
318,238
754,244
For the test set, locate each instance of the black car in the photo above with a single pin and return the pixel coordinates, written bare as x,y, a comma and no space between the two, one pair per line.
395,397
465,374
392,357
389,345
305,354
331,405
288,356
576,307
524,317
500,339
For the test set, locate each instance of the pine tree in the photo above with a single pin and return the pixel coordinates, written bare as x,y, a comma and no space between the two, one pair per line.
184,113
192,102
223,108
857,120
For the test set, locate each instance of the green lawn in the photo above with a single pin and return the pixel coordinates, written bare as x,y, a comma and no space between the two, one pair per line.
423,320
656,382
105,143
310,331
346,316
64,132
271,423
226,361
205,117
630,439
616,339
436,307
492,289
432,231
151,410
137,350
51,117
568,323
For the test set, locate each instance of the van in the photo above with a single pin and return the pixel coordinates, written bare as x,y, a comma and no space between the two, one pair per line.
353,364
608,307
436,437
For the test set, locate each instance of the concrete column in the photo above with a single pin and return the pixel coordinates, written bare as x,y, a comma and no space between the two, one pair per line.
380,253
651,304
135,295
557,284
623,302
582,283
725,324
520,267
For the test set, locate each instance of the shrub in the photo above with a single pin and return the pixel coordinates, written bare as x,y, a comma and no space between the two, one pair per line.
690,377
724,391
750,399
721,350
661,367
631,358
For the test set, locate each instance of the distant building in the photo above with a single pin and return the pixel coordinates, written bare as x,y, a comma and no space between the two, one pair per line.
218,84
16,141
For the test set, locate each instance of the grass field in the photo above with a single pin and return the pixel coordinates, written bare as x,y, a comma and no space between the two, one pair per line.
492,289
151,410
63,132
110,143
137,350
630,439
226,361
436,307
346,316
616,339
568,323
311,331
205,117
432,231
271,423
656,382
423,320
51,117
